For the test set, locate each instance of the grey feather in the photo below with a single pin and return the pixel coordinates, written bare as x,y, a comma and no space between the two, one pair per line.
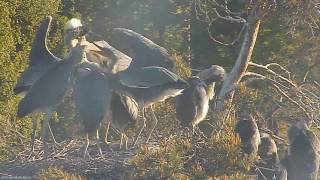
143,51
40,59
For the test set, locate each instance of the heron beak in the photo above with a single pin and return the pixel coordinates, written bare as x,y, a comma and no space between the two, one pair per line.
83,30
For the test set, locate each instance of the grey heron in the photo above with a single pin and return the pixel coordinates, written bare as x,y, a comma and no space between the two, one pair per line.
92,93
149,85
40,61
124,114
269,163
101,53
248,132
302,159
144,53
192,106
48,91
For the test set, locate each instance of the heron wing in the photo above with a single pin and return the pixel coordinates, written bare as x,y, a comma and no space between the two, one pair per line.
143,51
40,54
186,108
49,90
131,105
314,141
147,77
41,59
122,60
29,77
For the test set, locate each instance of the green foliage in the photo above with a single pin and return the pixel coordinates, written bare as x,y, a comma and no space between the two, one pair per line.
18,21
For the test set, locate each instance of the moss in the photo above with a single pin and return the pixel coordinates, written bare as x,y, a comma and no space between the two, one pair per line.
58,173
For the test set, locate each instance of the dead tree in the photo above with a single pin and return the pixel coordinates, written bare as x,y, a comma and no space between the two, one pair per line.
303,95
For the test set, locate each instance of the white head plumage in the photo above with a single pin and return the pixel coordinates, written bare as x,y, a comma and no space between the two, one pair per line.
72,24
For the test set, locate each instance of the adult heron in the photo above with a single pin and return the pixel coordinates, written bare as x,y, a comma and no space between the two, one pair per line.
149,85
92,91
144,53
92,95
192,106
248,132
48,91
40,61
101,53
302,160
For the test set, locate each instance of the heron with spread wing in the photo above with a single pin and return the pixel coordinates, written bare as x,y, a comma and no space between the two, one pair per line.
41,60
48,91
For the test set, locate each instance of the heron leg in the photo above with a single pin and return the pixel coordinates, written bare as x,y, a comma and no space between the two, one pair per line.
51,133
121,140
87,145
144,125
33,136
126,141
44,132
98,142
107,131
155,121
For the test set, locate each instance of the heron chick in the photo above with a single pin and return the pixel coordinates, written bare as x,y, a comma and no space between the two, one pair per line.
193,104
271,167
302,159
248,132
124,114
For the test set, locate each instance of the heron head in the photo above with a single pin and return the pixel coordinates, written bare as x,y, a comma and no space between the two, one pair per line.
298,128
213,74
74,30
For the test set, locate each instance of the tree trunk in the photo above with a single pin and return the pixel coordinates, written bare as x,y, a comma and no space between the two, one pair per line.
240,67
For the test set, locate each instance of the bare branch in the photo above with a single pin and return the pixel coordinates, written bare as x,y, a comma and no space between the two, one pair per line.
272,72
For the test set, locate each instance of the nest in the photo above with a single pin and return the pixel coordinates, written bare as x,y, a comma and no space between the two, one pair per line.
68,156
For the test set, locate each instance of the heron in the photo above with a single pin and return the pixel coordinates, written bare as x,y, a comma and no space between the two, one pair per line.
124,114
48,91
101,53
248,132
270,163
92,95
144,53
302,159
193,104
134,72
40,61
149,85
106,59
